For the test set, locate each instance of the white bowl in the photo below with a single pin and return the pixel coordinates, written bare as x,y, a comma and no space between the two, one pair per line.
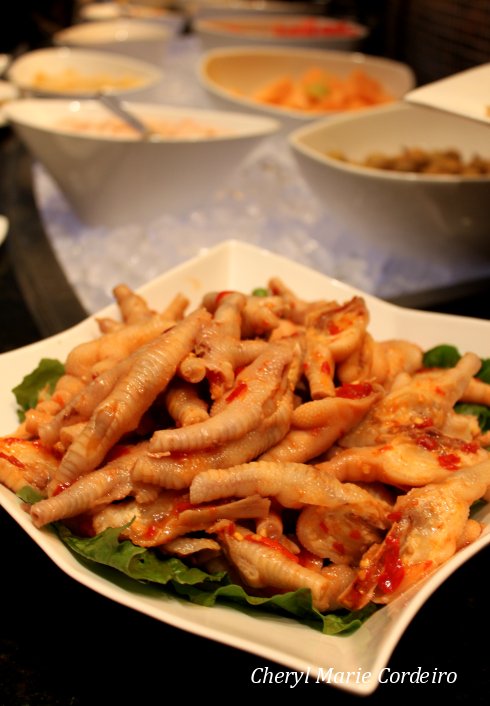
233,75
210,8
416,215
116,178
8,92
309,31
61,71
98,11
141,40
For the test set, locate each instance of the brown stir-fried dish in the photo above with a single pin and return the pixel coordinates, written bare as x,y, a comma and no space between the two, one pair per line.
422,161
265,435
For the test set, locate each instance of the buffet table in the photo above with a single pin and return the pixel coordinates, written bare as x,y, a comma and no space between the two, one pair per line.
266,202
63,644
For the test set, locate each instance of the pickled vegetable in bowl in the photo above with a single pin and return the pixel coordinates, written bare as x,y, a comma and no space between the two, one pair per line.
298,85
319,90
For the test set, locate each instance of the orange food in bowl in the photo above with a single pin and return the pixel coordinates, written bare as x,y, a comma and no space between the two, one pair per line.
319,90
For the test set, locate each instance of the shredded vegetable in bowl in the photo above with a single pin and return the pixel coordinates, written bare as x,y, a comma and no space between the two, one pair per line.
260,449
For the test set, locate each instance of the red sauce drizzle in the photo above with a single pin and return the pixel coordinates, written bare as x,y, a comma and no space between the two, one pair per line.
470,447
333,328
239,390
355,534
450,462
339,547
222,295
272,544
307,558
12,459
326,367
394,516
446,448
430,443
355,391
61,487
393,571
151,532
230,528
182,507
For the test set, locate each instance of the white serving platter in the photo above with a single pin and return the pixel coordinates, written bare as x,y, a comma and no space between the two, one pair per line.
234,265
465,93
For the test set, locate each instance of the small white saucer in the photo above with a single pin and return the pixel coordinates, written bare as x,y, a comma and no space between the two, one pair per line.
464,94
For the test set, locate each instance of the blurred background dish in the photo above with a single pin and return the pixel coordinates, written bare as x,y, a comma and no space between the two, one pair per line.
68,71
439,215
293,84
8,92
4,226
460,93
112,177
139,39
308,31
99,11
4,62
209,8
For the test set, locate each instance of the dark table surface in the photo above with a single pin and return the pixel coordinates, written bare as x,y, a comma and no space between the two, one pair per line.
62,644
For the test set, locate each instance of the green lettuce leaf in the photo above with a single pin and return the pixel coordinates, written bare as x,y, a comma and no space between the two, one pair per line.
29,494
295,604
137,562
443,356
200,587
44,377
446,356
484,372
480,411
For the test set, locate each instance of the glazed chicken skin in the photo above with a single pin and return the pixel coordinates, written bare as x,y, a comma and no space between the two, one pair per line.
271,437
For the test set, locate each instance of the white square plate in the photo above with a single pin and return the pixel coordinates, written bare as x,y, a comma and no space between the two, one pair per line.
466,93
234,265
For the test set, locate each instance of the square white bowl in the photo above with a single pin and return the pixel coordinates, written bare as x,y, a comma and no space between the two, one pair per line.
233,265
